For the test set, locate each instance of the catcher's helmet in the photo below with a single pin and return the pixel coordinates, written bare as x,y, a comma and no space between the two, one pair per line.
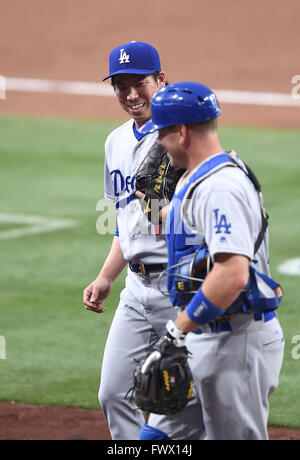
182,103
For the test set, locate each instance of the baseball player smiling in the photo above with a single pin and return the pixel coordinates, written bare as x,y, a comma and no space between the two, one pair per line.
141,315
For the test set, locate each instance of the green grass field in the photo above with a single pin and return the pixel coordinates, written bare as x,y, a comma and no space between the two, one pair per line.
53,168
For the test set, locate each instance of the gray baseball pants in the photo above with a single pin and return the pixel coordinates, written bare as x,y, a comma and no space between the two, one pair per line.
234,374
139,321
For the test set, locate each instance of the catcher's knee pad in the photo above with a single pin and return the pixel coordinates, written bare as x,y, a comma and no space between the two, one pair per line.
149,433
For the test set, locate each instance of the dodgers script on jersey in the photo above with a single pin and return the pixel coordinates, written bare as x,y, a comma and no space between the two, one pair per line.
123,155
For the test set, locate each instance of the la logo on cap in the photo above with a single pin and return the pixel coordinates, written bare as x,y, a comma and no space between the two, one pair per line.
124,58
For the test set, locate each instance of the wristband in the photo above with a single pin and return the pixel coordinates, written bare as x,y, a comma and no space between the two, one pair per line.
201,310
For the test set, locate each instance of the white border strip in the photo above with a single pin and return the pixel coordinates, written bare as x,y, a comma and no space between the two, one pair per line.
101,89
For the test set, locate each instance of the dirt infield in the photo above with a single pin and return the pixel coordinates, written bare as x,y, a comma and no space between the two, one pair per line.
226,45
236,45
26,422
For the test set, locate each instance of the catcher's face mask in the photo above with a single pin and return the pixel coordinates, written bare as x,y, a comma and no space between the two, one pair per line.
187,276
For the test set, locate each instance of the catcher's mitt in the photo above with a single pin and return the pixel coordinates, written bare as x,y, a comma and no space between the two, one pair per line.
163,383
157,179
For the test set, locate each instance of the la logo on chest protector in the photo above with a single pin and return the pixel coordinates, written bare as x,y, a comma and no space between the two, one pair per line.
124,58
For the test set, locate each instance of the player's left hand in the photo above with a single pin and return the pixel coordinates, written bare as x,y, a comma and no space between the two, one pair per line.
95,293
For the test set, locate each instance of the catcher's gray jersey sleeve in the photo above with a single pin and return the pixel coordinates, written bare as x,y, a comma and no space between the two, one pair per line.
232,221
227,211
227,225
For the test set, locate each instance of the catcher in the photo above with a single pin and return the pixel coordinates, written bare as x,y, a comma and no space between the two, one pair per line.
218,274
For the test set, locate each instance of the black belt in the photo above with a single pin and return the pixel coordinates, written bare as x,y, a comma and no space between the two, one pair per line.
146,269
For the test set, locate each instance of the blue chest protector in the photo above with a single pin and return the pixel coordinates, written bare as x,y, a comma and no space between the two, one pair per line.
184,244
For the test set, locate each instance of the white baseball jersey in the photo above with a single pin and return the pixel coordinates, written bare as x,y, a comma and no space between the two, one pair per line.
143,311
225,207
123,155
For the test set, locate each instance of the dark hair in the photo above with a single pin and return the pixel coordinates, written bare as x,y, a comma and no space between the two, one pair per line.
155,75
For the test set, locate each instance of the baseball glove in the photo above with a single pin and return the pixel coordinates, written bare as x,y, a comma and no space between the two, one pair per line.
163,383
157,179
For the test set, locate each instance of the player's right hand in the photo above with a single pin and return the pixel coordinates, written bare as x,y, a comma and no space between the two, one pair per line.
95,293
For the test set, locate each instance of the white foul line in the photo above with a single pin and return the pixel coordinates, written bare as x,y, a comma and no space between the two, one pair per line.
35,85
32,225
256,98
290,267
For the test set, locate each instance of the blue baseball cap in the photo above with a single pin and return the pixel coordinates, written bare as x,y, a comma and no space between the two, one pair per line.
182,103
135,58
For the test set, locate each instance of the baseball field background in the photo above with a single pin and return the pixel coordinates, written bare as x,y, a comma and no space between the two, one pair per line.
51,173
